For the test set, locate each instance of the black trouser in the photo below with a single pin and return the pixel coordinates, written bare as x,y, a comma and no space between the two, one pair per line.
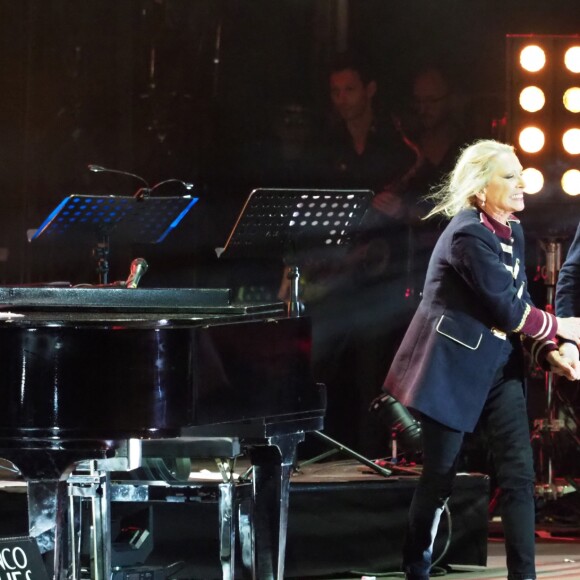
504,419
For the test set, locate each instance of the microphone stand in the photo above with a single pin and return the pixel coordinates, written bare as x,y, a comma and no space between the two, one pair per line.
101,254
549,425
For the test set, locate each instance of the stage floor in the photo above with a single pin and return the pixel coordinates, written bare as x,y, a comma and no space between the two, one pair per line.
346,504
557,544
557,559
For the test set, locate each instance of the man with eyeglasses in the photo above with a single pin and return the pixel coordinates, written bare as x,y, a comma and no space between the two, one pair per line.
433,129
437,110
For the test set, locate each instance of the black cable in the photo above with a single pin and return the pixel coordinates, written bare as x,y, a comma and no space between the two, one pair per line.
449,533
434,571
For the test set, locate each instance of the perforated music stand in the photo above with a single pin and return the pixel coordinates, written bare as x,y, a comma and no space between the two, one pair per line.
102,219
290,223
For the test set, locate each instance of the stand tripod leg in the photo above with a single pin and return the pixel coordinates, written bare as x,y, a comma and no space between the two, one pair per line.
340,447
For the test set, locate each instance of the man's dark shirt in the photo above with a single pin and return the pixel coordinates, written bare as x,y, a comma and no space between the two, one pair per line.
384,159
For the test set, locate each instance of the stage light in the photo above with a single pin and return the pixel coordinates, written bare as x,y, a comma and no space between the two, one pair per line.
543,102
399,420
532,99
572,59
571,182
571,99
533,179
532,139
532,58
571,141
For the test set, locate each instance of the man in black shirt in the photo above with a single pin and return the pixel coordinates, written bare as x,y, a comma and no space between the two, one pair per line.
357,297
363,149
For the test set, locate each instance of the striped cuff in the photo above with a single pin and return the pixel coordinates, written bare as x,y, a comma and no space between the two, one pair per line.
538,324
539,351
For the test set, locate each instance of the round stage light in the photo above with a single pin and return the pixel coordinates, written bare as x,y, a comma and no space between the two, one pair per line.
531,139
533,179
532,99
532,58
571,182
571,99
572,59
571,141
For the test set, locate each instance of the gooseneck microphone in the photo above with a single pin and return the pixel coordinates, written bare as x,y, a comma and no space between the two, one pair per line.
101,169
186,185
142,192
138,268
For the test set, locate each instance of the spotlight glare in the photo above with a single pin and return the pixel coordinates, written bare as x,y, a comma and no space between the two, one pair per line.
532,99
532,58
532,139
534,180
571,141
571,182
572,59
571,99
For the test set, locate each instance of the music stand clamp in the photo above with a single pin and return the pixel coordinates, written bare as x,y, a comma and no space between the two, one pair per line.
106,218
289,223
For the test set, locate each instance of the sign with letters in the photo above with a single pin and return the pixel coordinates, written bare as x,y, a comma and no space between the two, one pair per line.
20,560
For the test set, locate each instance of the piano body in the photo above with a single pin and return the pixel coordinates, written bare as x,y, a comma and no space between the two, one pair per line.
94,374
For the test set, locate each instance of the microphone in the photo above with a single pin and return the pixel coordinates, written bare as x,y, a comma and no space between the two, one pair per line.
142,192
186,185
138,268
101,169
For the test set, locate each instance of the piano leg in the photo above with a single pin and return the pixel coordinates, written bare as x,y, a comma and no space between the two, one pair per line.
272,468
45,472
94,487
227,529
47,507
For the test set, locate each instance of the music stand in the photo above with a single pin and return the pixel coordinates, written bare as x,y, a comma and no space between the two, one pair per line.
106,218
288,223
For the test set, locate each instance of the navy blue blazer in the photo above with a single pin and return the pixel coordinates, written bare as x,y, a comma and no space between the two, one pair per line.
456,342
568,285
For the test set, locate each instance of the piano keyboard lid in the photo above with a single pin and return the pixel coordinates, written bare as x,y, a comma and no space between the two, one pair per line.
178,300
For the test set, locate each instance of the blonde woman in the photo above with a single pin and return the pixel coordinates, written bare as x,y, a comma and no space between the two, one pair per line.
461,360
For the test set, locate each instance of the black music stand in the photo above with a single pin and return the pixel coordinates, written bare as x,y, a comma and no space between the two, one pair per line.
290,223
101,219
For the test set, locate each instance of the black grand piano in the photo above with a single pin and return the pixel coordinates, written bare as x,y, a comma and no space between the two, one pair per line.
87,372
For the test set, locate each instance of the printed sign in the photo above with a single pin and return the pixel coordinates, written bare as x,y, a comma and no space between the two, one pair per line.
20,560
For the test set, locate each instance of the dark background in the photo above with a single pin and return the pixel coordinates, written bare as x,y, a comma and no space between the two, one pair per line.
179,88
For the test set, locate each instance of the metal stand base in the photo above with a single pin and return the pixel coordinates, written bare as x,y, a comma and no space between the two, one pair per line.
338,448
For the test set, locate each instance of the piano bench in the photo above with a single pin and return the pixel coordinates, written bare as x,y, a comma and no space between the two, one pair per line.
196,447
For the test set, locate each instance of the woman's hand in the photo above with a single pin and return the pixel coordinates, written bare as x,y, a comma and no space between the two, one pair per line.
569,328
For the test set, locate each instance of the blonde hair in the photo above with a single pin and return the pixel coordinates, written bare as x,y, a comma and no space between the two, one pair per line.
471,174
